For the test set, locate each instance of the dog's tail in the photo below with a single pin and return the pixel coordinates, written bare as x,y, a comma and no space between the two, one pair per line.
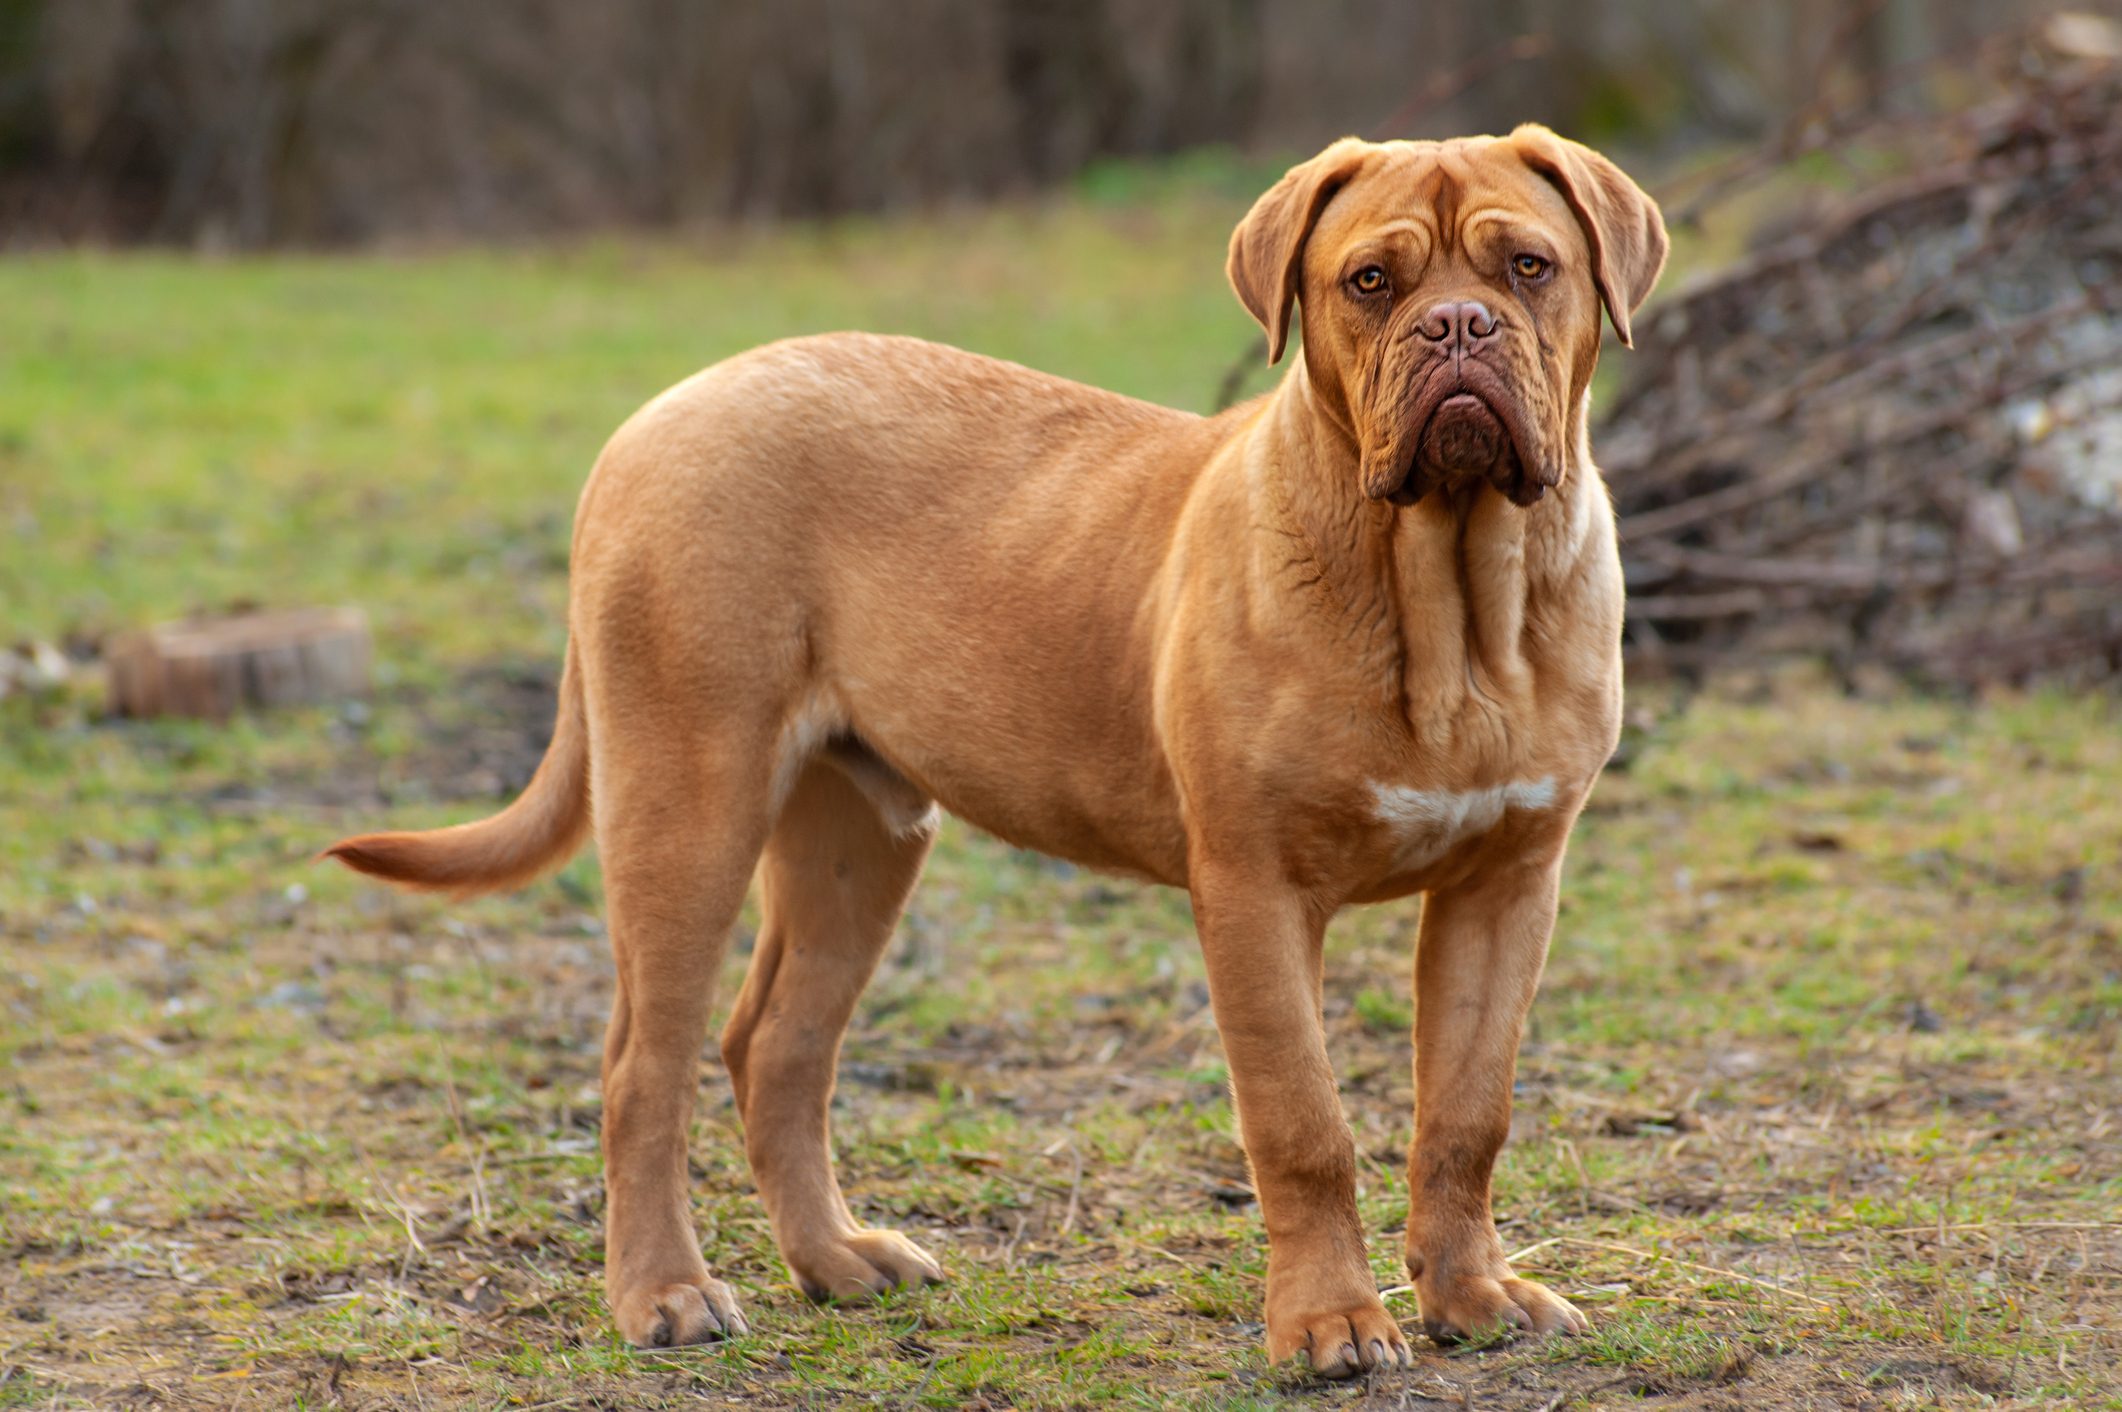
533,835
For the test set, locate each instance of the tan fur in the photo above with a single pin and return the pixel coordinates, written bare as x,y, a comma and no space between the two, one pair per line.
1354,641
544,826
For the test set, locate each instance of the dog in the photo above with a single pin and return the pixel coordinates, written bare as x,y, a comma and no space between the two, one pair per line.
1352,641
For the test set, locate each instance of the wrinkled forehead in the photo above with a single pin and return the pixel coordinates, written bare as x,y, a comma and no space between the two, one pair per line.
1449,194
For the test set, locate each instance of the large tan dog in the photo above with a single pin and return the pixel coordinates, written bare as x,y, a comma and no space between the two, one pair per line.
1355,640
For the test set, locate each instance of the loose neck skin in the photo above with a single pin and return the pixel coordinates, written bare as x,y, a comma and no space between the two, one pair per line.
1463,576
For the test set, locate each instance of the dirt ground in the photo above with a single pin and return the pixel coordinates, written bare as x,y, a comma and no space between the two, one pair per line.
1819,1106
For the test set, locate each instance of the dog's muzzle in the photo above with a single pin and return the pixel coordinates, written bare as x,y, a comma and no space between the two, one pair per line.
1445,414
1466,440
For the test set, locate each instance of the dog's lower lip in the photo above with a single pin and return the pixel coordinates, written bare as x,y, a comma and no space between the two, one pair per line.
1463,436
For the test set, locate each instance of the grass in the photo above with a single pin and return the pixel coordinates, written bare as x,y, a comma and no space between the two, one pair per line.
1819,1106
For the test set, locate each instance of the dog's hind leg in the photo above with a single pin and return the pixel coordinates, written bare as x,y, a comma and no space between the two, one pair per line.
681,817
838,868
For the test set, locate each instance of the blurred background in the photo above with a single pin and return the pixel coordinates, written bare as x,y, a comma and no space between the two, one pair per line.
313,317
257,123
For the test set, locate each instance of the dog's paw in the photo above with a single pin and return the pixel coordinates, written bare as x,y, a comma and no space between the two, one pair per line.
692,1311
861,1265
1340,1343
1476,1308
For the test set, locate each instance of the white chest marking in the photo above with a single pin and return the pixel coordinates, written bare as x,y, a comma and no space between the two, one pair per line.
1431,822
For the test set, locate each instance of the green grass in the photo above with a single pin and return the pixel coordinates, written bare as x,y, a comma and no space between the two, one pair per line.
411,432
1819,1103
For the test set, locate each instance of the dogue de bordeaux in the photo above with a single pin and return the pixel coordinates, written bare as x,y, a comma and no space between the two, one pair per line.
1352,641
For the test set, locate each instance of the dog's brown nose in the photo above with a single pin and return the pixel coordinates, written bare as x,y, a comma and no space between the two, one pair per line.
1461,324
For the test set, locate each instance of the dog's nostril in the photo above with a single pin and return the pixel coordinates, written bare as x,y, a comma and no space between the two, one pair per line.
1463,321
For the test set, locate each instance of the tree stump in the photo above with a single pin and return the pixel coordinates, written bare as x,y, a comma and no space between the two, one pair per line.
214,667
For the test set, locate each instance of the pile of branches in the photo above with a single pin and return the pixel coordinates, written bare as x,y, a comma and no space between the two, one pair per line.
1893,435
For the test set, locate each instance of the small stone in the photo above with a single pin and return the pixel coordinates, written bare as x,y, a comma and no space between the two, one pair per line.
292,995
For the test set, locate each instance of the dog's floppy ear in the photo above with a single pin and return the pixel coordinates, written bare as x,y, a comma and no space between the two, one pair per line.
1621,223
1267,249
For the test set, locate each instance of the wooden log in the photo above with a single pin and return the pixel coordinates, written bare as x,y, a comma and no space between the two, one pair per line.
215,667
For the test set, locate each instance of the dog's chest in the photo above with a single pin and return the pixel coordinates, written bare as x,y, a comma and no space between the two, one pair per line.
1426,824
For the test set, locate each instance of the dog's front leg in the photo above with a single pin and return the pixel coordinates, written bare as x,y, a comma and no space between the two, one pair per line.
1262,944
1477,965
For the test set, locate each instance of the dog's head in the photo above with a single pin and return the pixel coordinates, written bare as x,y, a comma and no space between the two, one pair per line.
1450,296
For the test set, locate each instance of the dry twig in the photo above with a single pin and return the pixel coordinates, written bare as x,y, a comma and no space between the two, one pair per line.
1890,436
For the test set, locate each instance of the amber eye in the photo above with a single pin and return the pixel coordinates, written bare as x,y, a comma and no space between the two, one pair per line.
1528,266
1368,280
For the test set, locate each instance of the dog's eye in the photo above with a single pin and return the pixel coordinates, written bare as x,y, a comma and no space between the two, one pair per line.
1529,266
1368,280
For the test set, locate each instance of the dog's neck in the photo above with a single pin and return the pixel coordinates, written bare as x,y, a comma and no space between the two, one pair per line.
1450,601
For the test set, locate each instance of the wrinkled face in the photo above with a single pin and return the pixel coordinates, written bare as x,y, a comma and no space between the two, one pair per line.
1451,297
1449,307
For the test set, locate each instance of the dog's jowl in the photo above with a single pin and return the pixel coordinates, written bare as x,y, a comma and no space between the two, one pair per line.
1354,641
